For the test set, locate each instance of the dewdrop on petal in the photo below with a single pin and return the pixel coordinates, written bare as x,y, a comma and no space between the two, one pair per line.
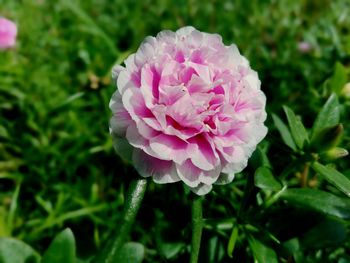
187,108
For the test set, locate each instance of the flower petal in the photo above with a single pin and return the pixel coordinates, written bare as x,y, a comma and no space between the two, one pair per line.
189,173
172,146
202,189
161,171
204,157
225,178
121,118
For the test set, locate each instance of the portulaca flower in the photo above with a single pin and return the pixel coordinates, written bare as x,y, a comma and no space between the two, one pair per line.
8,33
188,108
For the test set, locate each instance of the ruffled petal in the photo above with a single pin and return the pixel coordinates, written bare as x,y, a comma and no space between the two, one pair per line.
202,189
190,107
161,171
166,145
121,118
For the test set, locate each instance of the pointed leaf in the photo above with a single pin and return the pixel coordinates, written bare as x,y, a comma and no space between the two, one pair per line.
262,253
339,78
131,252
334,177
284,132
292,245
61,249
319,201
16,251
265,180
170,250
232,241
328,116
213,250
297,129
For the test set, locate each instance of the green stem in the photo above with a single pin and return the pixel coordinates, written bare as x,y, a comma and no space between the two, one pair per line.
304,175
197,226
133,201
13,207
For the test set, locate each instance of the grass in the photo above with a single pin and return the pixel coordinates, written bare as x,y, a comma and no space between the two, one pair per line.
57,164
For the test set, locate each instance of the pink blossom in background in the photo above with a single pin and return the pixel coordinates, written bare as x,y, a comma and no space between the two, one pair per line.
8,33
304,47
190,108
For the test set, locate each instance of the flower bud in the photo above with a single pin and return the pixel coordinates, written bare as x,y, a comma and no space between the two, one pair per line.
345,92
334,153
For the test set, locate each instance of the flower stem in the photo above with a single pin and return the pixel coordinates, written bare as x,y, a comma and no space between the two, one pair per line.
304,175
133,201
197,226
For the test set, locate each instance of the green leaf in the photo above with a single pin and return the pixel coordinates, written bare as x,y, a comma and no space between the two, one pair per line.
339,78
334,177
328,116
298,130
292,245
265,180
232,242
131,252
329,232
284,132
319,201
61,249
213,250
262,253
16,251
3,132
170,250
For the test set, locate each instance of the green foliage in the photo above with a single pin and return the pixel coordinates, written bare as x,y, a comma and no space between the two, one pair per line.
16,251
62,249
262,253
132,252
319,201
334,177
58,168
328,116
338,79
232,242
297,128
265,180
284,132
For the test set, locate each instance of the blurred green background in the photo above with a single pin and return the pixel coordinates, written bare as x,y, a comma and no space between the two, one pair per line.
57,165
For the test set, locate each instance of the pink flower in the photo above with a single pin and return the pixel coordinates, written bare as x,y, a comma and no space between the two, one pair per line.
304,47
190,108
8,32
